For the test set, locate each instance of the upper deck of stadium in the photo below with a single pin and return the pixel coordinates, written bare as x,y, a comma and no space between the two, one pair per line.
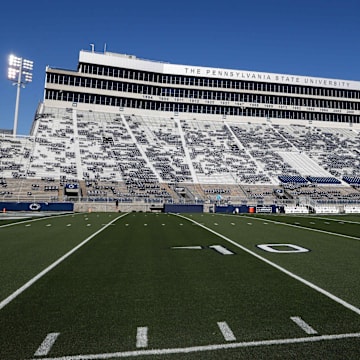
121,82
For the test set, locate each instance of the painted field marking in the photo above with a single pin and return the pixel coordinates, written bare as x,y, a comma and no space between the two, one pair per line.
37,219
218,248
303,325
20,290
287,272
273,248
47,344
214,347
142,337
188,247
306,228
221,249
332,219
226,331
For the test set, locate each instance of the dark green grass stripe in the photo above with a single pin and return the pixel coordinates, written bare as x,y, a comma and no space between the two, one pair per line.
306,282
332,262
20,290
28,248
334,227
130,276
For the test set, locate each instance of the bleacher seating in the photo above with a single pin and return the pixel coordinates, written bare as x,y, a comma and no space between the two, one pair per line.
292,179
352,180
323,180
132,157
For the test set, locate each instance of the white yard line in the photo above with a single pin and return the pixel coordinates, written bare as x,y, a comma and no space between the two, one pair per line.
287,272
196,349
20,290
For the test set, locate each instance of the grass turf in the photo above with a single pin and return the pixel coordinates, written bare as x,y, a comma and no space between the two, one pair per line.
130,276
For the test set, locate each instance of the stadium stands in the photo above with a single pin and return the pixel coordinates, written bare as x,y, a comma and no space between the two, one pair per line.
144,134
109,156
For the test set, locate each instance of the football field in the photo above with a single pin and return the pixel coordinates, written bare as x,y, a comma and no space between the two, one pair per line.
180,286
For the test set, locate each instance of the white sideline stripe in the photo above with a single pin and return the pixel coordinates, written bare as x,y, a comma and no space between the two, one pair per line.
142,337
303,325
54,264
226,331
37,219
287,272
308,228
222,250
332,219
194,349
47,344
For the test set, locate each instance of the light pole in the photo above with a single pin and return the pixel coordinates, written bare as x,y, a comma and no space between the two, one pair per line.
19,72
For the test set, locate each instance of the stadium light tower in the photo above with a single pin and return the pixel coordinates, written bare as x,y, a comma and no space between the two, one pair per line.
20,73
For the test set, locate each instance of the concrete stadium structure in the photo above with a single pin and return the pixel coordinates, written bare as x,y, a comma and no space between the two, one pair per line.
146,133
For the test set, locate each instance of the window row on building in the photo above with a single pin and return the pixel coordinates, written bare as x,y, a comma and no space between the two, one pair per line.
174,107
145,76
191,93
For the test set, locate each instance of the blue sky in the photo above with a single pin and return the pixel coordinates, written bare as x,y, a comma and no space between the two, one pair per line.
308,37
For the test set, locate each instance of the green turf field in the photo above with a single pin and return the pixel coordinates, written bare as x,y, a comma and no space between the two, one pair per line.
165,286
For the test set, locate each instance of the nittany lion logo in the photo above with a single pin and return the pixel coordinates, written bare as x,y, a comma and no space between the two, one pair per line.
34,206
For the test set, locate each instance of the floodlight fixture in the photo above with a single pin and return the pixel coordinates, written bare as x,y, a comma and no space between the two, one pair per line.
20,73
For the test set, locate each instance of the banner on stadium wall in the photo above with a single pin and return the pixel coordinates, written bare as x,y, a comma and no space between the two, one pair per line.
231,209
183,208
36,206
266,209
244,209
